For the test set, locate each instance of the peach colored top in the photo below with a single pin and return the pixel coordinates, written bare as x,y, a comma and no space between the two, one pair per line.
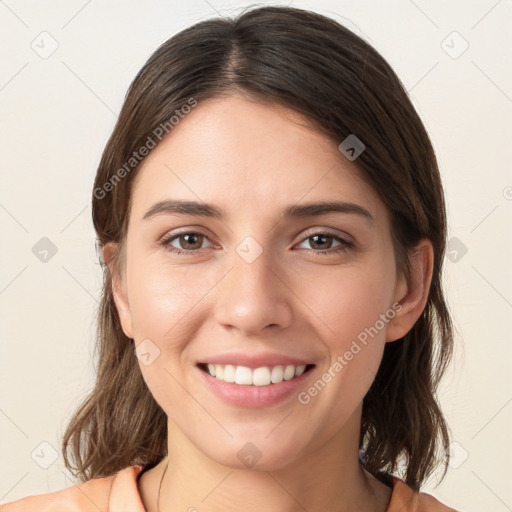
119,493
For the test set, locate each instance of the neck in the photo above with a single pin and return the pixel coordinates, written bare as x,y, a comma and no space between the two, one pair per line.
329,477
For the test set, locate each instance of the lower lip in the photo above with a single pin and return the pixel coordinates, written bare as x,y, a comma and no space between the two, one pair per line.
254,396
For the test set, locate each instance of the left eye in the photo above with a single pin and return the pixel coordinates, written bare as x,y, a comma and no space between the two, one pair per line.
324,241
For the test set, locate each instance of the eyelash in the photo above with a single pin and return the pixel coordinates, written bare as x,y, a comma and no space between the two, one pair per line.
345,244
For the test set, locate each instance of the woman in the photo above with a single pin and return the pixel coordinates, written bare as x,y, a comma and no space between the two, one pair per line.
272,328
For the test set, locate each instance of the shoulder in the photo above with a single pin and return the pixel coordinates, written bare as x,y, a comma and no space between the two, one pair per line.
404,499
108,494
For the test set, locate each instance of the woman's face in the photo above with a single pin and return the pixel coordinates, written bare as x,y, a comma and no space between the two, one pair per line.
263,278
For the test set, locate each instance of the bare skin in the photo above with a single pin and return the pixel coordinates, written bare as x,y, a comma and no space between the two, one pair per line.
253,161
377,494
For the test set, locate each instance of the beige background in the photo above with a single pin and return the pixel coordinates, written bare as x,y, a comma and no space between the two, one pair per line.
57,113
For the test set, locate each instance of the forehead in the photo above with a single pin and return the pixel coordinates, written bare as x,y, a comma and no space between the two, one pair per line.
248,155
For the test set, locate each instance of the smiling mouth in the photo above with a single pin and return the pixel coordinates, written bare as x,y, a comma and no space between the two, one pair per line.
263,376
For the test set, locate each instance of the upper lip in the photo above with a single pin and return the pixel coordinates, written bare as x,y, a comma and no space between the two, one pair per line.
254,361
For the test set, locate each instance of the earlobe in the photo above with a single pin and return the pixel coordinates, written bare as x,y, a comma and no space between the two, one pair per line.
118,288
412,293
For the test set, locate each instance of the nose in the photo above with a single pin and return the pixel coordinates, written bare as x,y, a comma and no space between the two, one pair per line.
253,296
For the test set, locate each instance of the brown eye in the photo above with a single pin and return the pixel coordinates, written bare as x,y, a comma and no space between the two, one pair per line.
321,241
191,241
326,243
184,242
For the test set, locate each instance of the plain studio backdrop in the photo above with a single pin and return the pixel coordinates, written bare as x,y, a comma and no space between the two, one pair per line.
65,68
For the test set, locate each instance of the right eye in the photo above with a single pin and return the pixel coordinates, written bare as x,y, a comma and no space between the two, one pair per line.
188,242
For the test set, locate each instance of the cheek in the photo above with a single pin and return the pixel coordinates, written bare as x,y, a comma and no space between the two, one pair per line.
349,301
165,303
162,296
354,308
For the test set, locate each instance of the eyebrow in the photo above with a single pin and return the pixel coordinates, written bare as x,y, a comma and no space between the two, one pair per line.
294,211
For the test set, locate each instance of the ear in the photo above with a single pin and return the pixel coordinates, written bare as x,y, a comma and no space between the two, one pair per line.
412,293
118,288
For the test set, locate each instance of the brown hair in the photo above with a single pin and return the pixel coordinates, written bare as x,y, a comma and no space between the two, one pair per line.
313,65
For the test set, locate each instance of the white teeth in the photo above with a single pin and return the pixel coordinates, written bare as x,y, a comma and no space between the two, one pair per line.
229,373
277,374
289,372
243,375
258,377
261,376
300,370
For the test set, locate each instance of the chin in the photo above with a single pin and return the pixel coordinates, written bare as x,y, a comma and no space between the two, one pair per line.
253,456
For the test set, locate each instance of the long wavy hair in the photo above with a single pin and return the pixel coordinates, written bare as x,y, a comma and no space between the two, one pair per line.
342,85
